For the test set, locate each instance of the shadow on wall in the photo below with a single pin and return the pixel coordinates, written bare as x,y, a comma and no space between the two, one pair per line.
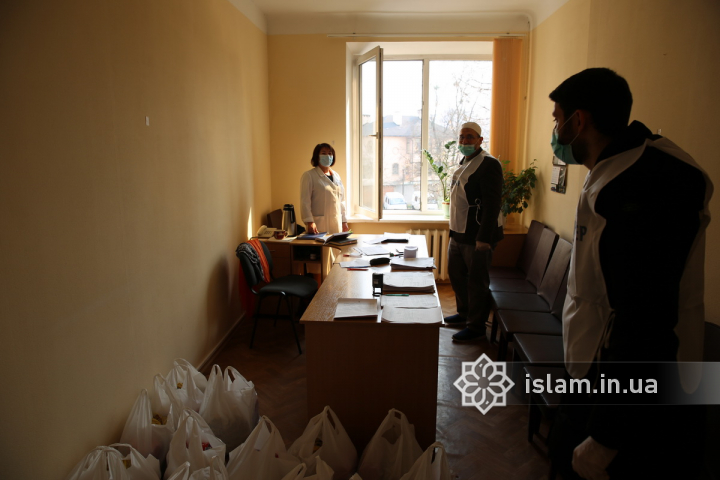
222,302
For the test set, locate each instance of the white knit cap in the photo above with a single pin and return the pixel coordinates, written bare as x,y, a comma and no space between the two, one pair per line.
472,126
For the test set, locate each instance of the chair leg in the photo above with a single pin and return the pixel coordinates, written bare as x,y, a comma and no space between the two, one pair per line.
292,322
493,329
257,311
534,417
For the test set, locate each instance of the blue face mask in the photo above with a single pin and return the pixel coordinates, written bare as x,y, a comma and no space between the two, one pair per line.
563,152
466,150
326,160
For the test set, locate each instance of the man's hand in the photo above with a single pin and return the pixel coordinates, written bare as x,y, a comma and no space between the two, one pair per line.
345,227
482,246
311,227
591,459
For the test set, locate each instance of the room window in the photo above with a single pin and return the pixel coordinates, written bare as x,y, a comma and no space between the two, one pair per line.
422,102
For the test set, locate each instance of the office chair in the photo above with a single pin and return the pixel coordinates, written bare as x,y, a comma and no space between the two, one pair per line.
283,287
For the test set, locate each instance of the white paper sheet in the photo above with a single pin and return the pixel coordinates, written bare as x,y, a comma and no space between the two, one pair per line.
349,308
429,316
410,301
359,263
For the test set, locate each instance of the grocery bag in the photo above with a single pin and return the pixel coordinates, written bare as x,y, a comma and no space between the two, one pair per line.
297,473
181,473
198,377
216,471
391,451
193,442
180,383
432,465
323,471
356,477
325,436
148,432
229,406
262,456
116,462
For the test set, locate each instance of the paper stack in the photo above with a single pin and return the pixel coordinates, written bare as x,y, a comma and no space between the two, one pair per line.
426,316
398,263
420,282
356,309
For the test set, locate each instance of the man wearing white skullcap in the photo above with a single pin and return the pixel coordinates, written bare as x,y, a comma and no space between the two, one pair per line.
475,229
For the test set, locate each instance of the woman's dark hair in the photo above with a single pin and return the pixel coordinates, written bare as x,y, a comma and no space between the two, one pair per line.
600,91
315,161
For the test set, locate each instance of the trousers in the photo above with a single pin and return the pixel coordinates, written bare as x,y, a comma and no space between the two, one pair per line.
470,278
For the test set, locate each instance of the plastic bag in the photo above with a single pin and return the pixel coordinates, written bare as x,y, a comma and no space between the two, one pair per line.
198,377
297,473
193,442
216,471
230,406
392,451
180,384
356,477
323,471
148,432
105,463
432,465
181,473
262,456
325,436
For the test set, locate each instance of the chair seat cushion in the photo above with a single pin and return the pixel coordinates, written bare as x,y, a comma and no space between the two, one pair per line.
540,349
506,272
517,285
515,321
295,285
528,302
551,400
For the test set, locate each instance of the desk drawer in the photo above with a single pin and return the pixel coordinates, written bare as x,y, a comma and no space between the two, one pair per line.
278,250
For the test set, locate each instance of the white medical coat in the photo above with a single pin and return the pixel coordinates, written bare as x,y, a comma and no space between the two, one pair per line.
322,201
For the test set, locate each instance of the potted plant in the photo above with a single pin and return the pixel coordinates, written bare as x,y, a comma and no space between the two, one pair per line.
443,169
517,188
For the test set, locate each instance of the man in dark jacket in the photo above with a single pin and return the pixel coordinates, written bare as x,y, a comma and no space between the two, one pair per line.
635,286
475,229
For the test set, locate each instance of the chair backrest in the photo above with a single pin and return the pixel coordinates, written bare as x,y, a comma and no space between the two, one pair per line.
529,246
711,352
274,218
543,252
559,302
251,276
558,266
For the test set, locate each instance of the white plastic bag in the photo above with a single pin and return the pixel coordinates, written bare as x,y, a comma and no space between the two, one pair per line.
181,473
230,406
325,436
356,477
193,442
198,377
432,465
262,456
392,451
148,432
116,462
323,471
216,471
297,473
180,383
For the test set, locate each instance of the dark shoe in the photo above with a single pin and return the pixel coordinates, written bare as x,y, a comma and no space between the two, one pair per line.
455,321
468,335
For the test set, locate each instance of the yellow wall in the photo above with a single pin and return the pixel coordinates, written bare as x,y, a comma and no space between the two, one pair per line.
668,52
118,239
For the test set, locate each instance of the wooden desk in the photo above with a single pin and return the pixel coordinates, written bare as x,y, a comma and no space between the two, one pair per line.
362,369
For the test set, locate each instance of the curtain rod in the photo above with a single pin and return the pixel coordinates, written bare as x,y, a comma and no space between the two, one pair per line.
424,35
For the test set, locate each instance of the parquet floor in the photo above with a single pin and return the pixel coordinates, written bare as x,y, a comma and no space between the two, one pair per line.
491,446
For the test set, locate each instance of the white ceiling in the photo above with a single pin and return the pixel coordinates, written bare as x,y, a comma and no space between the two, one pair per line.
387,17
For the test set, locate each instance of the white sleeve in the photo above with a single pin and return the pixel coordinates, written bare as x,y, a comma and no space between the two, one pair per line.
306,188
342,200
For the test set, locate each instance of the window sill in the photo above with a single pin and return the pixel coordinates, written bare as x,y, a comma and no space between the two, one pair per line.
430,219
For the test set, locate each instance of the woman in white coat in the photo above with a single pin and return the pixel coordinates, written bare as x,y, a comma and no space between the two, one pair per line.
322,195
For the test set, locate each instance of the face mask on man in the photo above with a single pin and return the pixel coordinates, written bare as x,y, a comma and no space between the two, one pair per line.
564,152
466,150
326,160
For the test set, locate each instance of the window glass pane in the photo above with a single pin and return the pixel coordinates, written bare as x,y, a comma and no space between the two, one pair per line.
368,160
402,127
460,91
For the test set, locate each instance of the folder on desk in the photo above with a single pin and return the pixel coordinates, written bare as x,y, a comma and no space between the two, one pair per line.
399,263
425,316
356,309
409,282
